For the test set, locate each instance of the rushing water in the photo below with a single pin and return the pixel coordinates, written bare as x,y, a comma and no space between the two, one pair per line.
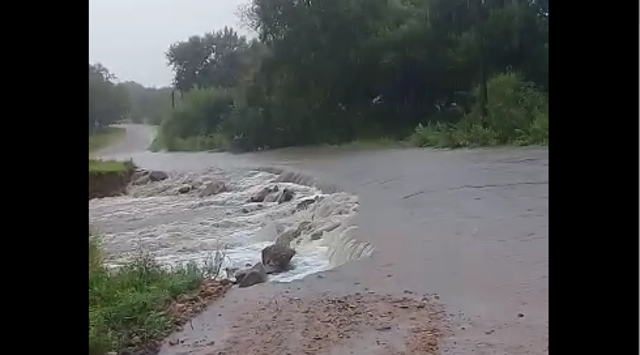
176,228
470,225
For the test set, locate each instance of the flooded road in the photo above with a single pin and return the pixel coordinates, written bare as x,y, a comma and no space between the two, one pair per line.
471,226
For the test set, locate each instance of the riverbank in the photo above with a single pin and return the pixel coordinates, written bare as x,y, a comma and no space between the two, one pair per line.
109,177
105,137
138,288
467,133
132,308
219,144
449,136
470,225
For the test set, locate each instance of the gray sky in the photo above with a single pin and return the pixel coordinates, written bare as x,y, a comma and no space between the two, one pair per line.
130,37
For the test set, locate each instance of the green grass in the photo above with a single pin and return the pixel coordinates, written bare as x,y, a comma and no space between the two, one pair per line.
128,306
105,138
215,141
518,114
471,134
375,143
105,166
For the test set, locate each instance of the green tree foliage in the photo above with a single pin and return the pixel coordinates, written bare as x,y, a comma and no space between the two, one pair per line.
200,112
148,105
338,70
518,113
215,59
108,103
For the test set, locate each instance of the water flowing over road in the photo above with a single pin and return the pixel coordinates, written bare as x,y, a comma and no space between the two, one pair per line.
469,225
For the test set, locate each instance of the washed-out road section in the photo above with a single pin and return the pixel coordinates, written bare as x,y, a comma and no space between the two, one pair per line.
468,225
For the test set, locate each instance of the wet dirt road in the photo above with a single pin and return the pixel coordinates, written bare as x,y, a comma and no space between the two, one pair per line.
470,226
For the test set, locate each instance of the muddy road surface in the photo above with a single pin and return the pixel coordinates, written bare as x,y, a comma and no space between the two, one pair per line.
465,229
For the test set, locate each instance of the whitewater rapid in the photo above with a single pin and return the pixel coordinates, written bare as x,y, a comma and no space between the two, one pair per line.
177,228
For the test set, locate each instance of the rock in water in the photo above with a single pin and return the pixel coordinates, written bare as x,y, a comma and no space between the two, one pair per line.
260,196
184,189
141,180
140,177
304,204
290,235
286,237
255,275
138,174
213,188
157,175
286,196
277,257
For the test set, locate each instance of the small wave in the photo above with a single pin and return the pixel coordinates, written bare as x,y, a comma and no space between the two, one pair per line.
176,228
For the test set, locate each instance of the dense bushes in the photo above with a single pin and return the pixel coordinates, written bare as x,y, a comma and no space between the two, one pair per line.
518,113
340,70
196,121
200,112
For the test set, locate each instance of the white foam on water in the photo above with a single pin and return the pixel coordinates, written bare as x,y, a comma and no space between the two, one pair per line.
177,228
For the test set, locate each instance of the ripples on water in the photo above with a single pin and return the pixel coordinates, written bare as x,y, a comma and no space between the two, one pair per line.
176,228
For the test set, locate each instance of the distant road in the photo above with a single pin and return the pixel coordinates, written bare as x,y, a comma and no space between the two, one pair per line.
136,139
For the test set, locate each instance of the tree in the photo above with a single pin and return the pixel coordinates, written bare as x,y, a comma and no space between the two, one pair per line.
148,105
337,70
108,103
215,59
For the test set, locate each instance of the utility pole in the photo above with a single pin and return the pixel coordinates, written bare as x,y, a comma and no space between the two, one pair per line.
483,73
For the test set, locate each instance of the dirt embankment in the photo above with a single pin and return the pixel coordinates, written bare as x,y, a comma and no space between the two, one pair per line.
107,183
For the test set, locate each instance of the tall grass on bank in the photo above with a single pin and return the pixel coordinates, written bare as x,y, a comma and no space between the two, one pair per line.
518,114
105,137
128,306
213,141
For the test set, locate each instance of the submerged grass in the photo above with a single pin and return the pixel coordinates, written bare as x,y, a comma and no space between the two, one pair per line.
129,307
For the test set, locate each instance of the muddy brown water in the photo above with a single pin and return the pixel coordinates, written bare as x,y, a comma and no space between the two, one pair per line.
468,225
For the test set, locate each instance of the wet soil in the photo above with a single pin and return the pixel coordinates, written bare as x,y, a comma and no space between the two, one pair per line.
182,310
109,183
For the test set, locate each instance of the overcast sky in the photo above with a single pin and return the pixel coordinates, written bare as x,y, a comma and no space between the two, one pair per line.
130,37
